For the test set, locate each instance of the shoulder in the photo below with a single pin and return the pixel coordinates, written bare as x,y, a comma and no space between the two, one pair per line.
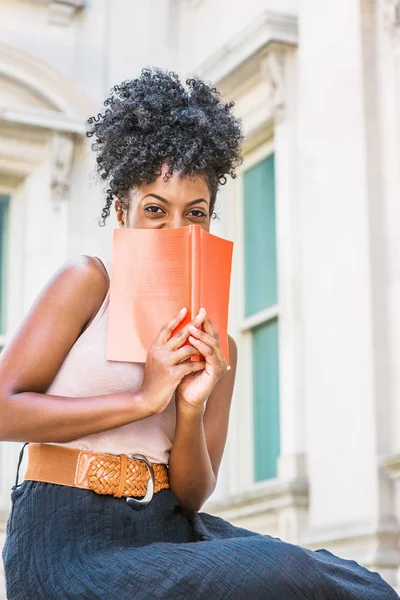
84,267
84,277
66,304
78,286
82,273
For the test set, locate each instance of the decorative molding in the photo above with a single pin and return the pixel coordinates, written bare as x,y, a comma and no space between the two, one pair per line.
61,12
25,132
61,156
22,149
243,50
45,119
391,15
34,74
273,67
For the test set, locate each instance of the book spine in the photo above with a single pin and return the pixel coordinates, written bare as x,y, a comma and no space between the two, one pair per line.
195,275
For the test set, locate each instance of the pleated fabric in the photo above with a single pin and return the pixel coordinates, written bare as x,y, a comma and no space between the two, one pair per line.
65,543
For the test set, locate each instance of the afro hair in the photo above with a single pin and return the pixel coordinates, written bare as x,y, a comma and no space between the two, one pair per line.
154,120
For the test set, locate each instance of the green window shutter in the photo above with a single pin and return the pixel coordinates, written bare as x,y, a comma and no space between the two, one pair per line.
4,210
261,292
260,237
265,400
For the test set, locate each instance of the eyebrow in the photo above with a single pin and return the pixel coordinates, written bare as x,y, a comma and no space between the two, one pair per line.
166,201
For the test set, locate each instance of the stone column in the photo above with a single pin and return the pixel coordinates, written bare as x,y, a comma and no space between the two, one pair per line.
344,279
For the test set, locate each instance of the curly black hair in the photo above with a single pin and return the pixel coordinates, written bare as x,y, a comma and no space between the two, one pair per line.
153,120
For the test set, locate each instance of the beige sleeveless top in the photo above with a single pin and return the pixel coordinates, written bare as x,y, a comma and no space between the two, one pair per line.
86,372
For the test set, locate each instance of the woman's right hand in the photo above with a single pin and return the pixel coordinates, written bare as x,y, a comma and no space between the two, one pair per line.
164,368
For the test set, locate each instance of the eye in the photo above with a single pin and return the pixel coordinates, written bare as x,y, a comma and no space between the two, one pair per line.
153,209
200,213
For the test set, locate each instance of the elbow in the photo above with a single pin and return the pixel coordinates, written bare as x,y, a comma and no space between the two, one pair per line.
195,503
189,504
195,498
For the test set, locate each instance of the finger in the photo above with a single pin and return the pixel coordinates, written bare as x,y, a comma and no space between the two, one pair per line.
183,353
207,351
208,325
167,329
177,340
206,338
190,367
210,329
209,347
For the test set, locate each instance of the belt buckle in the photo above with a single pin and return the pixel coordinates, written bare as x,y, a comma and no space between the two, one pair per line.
134,503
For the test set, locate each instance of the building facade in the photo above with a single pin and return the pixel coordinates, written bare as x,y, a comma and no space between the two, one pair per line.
313,450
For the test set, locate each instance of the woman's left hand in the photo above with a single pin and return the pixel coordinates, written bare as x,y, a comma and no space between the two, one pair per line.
194,389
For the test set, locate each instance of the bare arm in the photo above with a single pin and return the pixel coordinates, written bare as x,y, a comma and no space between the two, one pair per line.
33,357
199,441
191,475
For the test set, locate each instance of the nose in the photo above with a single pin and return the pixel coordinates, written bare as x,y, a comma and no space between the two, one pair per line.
176,220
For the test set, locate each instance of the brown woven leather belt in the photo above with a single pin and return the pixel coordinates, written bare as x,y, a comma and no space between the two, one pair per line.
114,474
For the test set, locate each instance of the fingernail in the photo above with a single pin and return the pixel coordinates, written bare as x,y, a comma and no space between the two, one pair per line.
182,310
203,310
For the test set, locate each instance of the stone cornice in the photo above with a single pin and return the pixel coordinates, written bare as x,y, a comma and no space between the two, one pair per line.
243,50
46,119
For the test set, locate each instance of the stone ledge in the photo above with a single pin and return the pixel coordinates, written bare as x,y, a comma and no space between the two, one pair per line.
272,496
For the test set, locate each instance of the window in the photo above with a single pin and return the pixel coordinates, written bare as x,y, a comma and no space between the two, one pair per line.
261,312
4,214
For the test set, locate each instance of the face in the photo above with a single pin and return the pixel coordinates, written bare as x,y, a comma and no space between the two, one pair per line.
176,202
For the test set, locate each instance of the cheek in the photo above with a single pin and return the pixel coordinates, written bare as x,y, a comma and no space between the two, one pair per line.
131,221
133,218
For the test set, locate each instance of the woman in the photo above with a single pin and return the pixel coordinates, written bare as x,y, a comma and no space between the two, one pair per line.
86,522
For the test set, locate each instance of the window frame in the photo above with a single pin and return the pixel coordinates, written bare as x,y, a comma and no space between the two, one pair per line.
11,186
241,440
267,314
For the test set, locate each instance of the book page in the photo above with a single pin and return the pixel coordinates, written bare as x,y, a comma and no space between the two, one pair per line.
149,284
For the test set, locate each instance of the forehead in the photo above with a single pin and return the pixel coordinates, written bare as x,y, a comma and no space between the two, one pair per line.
177,187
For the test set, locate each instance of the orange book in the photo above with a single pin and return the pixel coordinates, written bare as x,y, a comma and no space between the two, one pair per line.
156,272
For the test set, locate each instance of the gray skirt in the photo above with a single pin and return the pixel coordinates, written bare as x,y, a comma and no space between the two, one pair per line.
64,543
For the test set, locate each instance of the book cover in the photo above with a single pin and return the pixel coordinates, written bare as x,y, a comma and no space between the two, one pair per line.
154,273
